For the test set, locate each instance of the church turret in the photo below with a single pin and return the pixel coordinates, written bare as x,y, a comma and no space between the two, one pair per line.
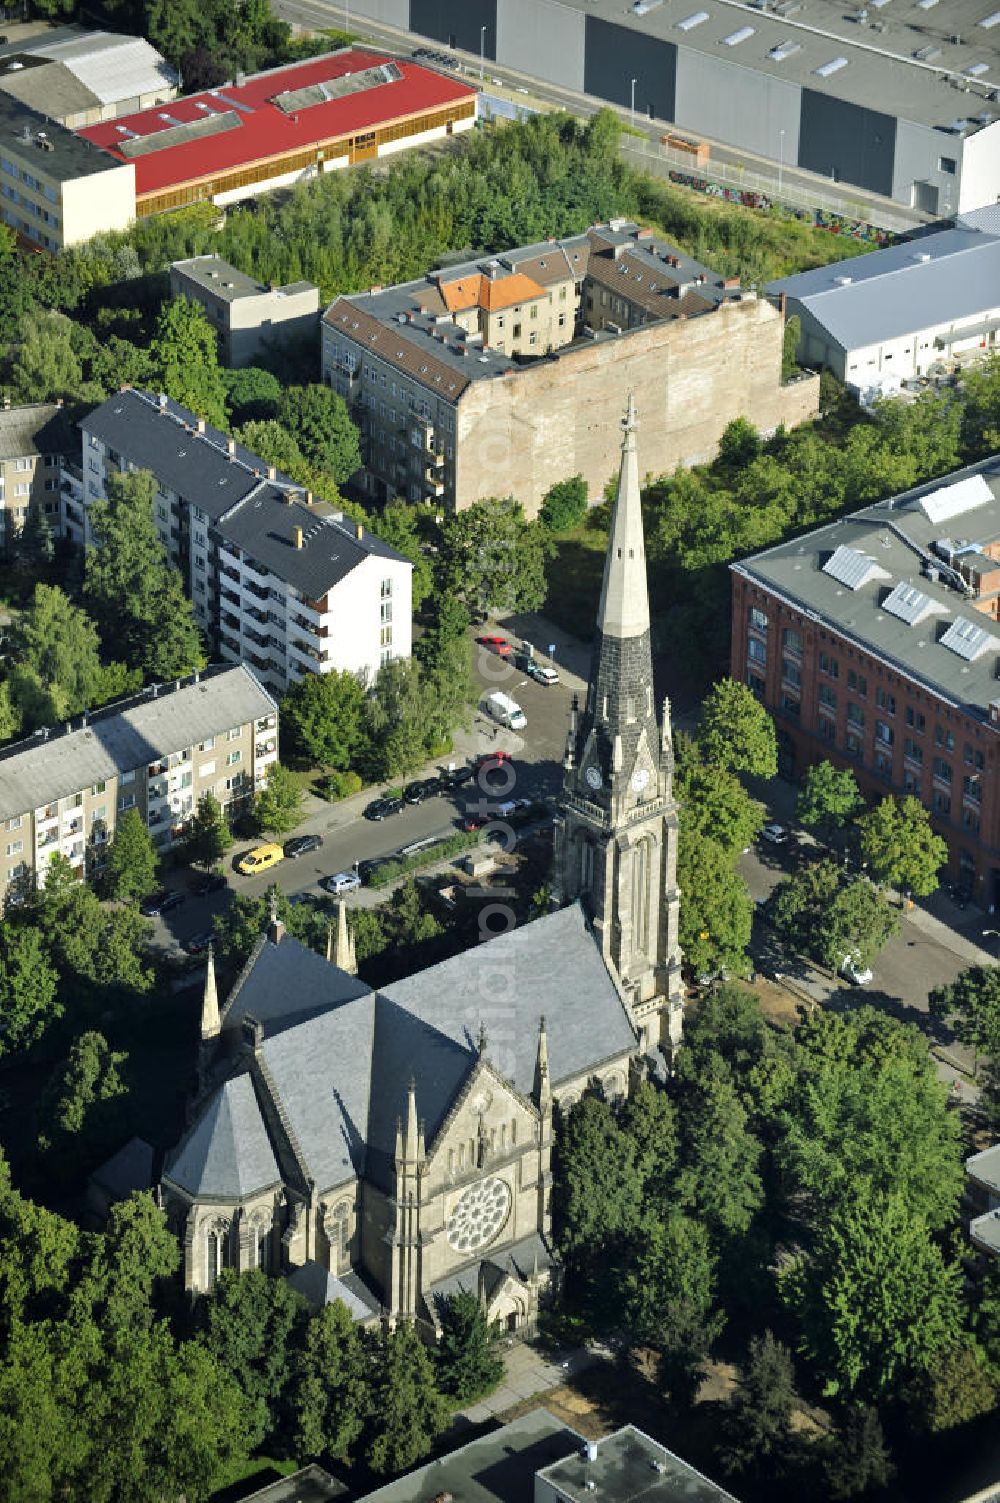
411,1170
616,832
340,942
543,1086
211,1022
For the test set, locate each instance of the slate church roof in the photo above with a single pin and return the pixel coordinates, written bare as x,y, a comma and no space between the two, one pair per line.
338,1058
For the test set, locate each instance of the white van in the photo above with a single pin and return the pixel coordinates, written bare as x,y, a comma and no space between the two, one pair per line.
509,713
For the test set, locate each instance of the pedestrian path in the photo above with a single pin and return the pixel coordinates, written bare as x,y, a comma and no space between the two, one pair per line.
531,1372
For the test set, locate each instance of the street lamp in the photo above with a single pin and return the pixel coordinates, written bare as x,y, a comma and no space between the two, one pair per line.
781,156
482,52
634,81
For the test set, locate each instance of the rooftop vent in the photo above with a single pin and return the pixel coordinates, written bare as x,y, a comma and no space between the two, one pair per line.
736,37
967,640
783,50
949,501
854,569
827,70
697,18
911,605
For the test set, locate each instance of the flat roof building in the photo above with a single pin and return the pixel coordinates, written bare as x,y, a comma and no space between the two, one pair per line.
875,643
251,318
282,126
506,374
81,78
983,1197
879,319
56,188
62,791
897,99
278,578
625,1467
36,441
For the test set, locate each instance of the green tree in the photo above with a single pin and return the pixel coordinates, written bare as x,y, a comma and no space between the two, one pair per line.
10,715
252,1324
447,682
957,1388
395,730
56,651
186,359
467,1362
720,1159
564,504
29,989
208,836
44,365
736,733
877,1301
318,420
821,913
858,1459
36,541
253,394
329,1390
408,1411
79,1101
135,593
758,1425
88,942
790,346
132,865
399,525
668,1290
277,808
740,444
971,1003
597,1195
901,849
716,915
493,559
828,799
322,716
716,806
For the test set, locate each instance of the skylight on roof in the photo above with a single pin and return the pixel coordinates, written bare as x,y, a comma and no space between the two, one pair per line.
736,37
949,501
926,4
853,569
783,50
911,605
690,22
975,70
988,22
826,70
967,640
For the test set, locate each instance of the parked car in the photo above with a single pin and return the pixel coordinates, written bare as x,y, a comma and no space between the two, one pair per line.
199,943
210,882
542,675
774,834
491,759
421,788
381,808
371,864
340,882
300,844
853,971
499,645
456,777
260,859
473,822
161,902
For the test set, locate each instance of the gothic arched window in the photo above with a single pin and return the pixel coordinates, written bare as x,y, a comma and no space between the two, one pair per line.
218,1250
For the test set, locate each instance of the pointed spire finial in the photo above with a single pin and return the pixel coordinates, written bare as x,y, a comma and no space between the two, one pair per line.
211,1023
630,421
624,607
482,1040
340,944
410,1140
543,1085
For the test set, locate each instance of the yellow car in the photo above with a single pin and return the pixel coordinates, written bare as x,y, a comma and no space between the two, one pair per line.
259,859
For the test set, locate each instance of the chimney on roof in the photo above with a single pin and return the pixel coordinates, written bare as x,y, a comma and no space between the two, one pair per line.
298,536
6,404
375,287
359,531
272,473
199,427
309,498
125,386
230,444
163,401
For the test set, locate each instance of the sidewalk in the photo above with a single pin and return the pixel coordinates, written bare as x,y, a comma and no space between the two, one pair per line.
531,1373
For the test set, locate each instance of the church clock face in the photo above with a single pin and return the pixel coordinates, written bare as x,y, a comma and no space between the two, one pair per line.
593,776
639,779
480,1215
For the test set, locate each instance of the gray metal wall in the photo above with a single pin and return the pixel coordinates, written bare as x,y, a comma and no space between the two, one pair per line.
720,99
456,23
391,12
615,55
542,40
846,142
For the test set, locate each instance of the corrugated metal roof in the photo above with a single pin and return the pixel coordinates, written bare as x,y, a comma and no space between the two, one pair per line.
967,640
940,279
853,569
115,68
960,496
911,605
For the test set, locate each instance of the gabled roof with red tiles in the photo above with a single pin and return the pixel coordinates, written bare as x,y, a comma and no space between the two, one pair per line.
491,293
248,126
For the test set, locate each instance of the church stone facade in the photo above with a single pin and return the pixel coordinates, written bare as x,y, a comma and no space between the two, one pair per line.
390,1148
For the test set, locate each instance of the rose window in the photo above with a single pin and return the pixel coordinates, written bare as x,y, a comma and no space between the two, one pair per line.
479,1216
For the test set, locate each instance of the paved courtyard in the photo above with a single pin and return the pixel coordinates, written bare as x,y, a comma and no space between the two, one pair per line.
530,1371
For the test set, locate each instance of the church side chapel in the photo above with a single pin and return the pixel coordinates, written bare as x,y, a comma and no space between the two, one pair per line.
390,1148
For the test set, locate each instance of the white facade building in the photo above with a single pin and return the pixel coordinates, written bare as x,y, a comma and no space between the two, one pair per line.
278,579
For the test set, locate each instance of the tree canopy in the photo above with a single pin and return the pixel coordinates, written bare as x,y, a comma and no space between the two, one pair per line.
901,849
736,733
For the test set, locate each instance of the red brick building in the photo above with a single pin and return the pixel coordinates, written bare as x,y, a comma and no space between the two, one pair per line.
874,643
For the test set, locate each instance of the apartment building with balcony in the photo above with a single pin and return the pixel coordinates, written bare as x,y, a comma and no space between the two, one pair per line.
875,643
279,579
507,374
63,791
37,442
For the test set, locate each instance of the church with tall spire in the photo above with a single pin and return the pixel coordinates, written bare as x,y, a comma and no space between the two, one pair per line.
616,829
391,1147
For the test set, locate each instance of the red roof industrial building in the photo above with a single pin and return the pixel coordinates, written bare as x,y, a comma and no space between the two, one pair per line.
280,126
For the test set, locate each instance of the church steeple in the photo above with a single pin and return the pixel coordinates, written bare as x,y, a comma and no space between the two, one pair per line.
616,832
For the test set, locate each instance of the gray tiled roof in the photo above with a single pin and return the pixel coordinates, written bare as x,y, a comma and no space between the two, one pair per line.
127,735
40,428
288,983
900,537
131,1168
518,1260
227,1153
321,1287
938,279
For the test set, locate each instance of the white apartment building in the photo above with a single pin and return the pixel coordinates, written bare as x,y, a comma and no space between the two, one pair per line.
62,791
279,579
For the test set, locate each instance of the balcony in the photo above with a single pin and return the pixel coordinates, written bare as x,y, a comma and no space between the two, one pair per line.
255,568
260,639
257,615
436,459
159,789
233,648
156,769
305,649
434,487
265,748
228,573
260,592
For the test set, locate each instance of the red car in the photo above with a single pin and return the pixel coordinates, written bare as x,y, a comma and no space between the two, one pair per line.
499,645
490,759
473,822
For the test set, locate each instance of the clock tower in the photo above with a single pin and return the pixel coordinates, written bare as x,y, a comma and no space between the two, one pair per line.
616,829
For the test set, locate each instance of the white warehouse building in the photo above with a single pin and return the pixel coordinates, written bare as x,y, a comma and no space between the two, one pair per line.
279,579
878,319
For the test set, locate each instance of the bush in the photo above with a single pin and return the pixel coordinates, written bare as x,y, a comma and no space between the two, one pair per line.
338,785
565,505
452,845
